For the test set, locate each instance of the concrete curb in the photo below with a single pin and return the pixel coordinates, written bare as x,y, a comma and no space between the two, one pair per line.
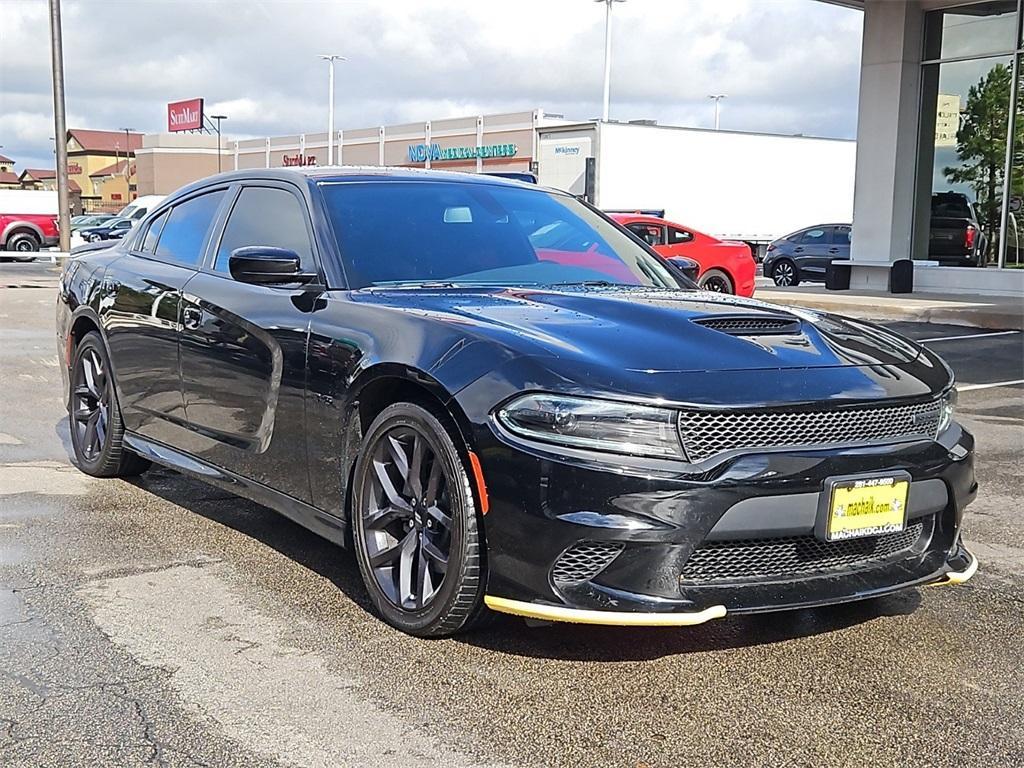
1004,314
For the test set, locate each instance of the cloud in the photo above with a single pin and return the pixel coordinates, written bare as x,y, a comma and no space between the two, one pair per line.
787,65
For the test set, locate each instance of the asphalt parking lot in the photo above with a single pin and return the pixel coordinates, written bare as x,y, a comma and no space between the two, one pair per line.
165,622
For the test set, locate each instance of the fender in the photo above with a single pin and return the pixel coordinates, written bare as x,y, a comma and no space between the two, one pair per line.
19,224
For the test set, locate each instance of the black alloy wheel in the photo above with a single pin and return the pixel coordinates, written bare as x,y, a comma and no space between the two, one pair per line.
716,281
97,432
414,525
784,273
90,405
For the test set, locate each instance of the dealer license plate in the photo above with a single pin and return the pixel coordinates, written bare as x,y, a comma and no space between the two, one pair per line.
867,506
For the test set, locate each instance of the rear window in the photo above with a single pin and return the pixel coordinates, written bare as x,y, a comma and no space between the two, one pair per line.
951,207
415,232
184,231
815,236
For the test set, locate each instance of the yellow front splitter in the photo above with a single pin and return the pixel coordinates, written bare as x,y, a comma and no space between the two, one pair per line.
613,618
958,577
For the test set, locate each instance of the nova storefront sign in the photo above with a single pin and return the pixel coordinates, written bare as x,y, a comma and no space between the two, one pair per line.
420,153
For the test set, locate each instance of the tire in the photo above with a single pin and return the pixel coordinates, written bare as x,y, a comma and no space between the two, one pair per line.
398,538
22,242
785,273
97,432
717,281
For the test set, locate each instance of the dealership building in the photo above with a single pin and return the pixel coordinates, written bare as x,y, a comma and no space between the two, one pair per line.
941,109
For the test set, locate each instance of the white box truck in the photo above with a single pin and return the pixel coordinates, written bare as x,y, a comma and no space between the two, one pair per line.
753,187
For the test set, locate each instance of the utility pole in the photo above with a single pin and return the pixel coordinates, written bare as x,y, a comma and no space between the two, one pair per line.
218,118
330,58
60,127
607,54
717,98
127,162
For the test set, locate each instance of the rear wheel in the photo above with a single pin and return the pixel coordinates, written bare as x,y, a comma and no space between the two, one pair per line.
97,432
717,281
785,274
21,243
414,525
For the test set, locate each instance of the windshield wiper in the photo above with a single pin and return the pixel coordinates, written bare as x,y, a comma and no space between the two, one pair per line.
413,284
588,283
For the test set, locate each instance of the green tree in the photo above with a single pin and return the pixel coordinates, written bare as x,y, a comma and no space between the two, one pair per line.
981,145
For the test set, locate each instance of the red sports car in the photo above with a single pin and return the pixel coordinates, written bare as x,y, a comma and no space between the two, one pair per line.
726,266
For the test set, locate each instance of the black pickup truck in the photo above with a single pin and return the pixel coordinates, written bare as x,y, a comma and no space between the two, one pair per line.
956,237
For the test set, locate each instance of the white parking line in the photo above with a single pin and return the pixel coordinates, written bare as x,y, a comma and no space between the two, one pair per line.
969,387
968,336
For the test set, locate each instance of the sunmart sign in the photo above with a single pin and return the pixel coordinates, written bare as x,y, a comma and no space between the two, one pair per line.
420,153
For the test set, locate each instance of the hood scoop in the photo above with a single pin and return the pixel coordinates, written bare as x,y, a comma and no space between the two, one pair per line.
760,324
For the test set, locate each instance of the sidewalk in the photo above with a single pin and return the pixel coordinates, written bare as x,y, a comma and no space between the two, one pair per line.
994,312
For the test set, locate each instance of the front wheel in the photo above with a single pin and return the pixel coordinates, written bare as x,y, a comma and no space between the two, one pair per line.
717,281
414,525
97,432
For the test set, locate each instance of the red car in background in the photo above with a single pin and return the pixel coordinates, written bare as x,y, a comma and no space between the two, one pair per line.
725,266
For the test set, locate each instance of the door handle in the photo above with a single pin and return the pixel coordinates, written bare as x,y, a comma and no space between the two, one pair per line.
798,250
191,318
833,250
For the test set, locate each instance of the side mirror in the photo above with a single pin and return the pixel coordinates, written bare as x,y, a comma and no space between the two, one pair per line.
266,265
688,267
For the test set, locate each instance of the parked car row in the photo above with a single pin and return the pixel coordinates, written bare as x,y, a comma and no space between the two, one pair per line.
955,238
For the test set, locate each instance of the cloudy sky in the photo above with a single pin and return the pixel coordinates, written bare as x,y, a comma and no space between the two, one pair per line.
786,65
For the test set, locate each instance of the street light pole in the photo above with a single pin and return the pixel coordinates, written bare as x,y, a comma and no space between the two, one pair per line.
218,118
607,54
60,127
330,58
717,98
127,161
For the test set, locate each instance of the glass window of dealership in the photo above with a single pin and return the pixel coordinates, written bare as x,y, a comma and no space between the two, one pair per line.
972,128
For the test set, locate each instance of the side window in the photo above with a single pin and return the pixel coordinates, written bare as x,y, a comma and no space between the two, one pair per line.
814,237
677,236
153,234
181,240
649,233
841,236
266,216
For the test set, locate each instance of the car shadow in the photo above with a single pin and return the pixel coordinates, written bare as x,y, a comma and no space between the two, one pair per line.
261,524
511,635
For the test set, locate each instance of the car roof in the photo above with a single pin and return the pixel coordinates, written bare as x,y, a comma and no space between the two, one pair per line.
345,173
366,172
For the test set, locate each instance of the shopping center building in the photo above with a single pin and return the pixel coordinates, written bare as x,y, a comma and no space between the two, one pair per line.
940,110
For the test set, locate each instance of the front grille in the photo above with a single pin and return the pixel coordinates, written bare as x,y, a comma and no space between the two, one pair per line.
708,433
583,561
742,325
793,555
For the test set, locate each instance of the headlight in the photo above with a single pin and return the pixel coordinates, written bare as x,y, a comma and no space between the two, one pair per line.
598,425
946,408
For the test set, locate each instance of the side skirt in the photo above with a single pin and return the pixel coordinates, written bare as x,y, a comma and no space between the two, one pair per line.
306,515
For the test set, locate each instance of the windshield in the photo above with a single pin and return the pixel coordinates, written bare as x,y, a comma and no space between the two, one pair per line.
393,232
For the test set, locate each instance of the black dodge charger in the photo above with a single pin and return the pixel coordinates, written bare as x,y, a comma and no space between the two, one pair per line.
501,399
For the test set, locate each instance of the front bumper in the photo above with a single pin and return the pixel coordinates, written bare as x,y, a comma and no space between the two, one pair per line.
545,612
654,519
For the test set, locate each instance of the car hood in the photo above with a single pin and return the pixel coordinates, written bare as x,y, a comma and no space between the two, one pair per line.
653,330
